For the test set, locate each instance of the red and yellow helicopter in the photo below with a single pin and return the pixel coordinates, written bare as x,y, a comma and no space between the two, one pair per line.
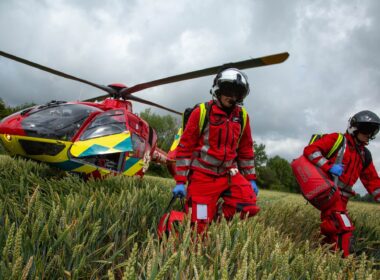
97,138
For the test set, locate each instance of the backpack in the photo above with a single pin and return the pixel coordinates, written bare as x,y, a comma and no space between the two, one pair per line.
203,118
367,158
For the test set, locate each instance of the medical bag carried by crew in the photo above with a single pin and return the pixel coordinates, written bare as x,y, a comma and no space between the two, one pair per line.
316,185
171,219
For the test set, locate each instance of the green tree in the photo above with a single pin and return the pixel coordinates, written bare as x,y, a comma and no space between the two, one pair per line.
283,173
7,110
2,150
267,178
261,157
273,173
165,126
4,110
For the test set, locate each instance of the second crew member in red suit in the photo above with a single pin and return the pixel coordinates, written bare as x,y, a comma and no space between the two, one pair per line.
218,162
357,163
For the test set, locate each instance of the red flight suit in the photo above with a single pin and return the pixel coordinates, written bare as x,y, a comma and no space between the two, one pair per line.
336,225
208,162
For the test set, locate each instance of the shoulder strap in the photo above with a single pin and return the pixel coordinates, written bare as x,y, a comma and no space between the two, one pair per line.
243,121
337,145
314,138
202,116
243,113
204,111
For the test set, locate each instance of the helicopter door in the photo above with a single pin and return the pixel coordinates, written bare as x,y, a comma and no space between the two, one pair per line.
104,139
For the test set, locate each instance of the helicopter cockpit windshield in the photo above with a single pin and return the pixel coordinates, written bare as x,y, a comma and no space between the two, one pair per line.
59,121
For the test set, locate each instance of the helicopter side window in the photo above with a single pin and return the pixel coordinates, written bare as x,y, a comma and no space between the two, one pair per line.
108,123
138,145
133,124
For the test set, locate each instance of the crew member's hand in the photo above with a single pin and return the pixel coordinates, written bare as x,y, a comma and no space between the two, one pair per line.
254,187
179,191
336,169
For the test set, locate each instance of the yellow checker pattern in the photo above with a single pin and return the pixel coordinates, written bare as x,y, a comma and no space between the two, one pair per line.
103,145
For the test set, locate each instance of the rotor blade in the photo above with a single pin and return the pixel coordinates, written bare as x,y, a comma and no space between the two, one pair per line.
250,63
56,72
138,99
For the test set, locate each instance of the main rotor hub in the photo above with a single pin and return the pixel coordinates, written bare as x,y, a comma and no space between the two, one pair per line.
117,90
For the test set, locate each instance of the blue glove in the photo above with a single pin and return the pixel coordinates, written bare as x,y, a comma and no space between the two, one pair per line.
254,187
336,169
179,191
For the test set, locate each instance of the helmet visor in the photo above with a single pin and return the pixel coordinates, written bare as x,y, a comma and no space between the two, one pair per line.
232,90
368,128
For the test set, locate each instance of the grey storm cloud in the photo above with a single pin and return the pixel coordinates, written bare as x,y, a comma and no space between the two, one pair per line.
333,70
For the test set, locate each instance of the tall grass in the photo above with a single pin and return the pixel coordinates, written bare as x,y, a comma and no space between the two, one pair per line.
54,225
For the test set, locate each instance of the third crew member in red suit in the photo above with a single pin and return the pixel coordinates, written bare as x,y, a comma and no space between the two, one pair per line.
357,163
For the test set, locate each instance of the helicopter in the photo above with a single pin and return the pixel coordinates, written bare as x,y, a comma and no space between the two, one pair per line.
100,136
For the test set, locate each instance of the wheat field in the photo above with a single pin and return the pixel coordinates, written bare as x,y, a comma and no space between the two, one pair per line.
56,226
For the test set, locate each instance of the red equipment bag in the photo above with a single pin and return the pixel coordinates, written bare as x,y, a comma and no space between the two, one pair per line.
316,186
170,219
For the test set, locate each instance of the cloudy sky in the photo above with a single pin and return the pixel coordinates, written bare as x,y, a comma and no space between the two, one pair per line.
333,70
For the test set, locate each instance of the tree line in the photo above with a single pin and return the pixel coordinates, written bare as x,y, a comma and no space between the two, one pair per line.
6,110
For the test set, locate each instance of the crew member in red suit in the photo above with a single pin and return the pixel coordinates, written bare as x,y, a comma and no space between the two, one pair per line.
218,162
357,163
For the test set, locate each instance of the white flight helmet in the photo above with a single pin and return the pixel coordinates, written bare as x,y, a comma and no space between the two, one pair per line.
231,79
